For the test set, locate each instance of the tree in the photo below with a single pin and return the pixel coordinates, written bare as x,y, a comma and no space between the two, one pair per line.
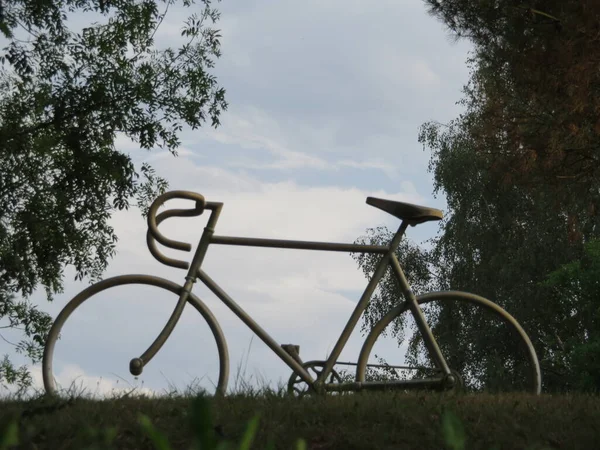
539,97
518,167
64,97
495,241
531,129
498,241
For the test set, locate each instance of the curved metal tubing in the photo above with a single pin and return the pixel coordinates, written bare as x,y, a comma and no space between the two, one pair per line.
536,377
165,332
176,289
152,219
388,260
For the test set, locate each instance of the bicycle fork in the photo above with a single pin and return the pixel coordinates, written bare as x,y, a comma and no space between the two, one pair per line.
136,365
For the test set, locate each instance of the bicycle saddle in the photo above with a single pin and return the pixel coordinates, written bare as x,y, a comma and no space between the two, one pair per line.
406,211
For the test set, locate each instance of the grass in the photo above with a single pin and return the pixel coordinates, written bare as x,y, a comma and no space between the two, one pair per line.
266,418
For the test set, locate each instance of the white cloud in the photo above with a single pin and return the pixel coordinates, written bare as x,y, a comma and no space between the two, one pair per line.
267,138
72,378
389,170
424,75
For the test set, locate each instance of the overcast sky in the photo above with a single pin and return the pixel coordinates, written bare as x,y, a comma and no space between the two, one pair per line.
325,102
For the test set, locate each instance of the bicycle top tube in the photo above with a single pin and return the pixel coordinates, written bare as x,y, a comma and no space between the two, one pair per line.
299,245
408,213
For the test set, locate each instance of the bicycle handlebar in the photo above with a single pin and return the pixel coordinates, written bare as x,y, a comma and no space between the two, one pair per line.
154,221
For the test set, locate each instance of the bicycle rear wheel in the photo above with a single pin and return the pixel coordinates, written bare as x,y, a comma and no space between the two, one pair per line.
146,288
501,359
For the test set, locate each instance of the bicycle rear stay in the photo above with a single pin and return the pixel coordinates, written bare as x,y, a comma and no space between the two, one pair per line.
292,360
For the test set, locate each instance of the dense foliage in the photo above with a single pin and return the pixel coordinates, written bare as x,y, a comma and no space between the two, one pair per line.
518,169
65,95
577,354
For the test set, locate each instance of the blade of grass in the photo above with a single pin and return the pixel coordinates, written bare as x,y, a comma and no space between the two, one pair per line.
10,435
201,423
249,433
454,434
158,439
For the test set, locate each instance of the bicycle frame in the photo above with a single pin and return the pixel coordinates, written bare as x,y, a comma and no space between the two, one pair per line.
388,259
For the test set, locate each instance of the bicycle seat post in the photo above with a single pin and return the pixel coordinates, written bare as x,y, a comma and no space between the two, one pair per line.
395,242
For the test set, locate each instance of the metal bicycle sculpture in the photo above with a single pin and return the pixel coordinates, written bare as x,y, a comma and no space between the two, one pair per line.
446,373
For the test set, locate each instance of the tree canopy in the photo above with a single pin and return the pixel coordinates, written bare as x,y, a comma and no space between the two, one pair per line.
65,95
536,90
518,169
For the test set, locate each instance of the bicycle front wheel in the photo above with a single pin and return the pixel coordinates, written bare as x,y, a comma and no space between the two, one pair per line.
102,349
485,347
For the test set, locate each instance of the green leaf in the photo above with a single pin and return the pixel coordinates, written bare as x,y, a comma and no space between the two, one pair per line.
10,435
250,433
158,439
301,444
454,434
201,423
6,31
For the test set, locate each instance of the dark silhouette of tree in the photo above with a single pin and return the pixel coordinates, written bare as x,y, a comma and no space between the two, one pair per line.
519,170
64,96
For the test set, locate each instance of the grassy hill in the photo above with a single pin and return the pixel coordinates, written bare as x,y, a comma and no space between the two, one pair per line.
270,420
